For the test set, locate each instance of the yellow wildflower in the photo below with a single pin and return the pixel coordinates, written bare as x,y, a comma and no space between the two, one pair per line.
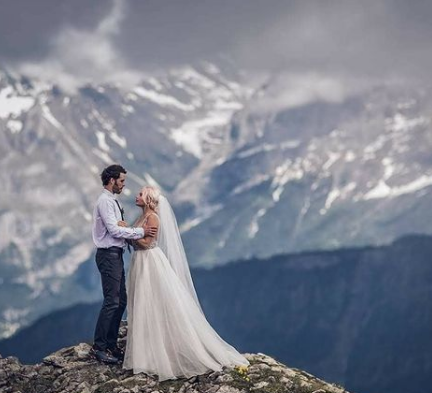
242,369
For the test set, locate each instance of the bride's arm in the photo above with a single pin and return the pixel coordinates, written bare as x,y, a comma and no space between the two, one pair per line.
152,221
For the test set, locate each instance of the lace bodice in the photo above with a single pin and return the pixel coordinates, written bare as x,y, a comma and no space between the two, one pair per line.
138,247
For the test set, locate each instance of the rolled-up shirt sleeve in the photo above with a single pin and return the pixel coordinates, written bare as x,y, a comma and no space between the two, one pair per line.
106,209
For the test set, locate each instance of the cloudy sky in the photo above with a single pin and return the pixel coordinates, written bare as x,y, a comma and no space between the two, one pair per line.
121,40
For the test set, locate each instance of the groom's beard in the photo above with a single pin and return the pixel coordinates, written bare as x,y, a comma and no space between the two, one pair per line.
117,189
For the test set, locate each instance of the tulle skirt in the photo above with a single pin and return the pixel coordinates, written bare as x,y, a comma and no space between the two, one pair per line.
168,335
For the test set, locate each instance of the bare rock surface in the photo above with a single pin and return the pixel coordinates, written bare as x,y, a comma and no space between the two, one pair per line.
73,370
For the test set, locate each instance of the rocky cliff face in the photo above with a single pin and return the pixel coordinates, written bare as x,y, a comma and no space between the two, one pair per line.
72,370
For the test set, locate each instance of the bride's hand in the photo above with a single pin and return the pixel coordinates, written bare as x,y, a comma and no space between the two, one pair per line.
122,224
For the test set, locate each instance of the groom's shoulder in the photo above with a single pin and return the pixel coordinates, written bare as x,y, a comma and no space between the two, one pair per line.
102,198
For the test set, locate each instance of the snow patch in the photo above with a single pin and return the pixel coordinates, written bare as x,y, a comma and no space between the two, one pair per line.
337,193
162,99
250,184
400,122
203,214
121,141
266,147
12,320
192,75
101,141
333,157
254,227
155,83
283,174
11,104
191,134
15,126
375,146
49,116
382,190
350,156
389,169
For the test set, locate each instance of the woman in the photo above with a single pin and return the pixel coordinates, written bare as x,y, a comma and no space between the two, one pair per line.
168,334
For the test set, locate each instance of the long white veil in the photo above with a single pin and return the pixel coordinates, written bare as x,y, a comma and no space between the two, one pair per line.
170,243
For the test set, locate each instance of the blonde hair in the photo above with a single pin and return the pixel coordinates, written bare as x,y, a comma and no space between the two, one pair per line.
150,196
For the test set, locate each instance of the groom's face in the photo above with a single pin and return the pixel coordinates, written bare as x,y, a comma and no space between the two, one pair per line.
119,184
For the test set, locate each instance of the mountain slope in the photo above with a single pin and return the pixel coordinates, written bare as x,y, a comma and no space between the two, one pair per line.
359,317
319,176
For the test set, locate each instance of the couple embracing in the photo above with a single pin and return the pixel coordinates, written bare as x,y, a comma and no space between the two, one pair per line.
168,334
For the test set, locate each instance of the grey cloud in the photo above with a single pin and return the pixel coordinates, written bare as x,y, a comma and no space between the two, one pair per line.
364,39
27,27
376,40
80,56
165,33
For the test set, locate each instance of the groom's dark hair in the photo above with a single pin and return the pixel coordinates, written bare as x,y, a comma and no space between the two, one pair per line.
112,171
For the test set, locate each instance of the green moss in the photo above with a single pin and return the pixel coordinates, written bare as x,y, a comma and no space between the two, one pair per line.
298,384
239,381
275,386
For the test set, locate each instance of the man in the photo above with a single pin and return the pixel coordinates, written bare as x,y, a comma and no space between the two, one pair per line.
109,239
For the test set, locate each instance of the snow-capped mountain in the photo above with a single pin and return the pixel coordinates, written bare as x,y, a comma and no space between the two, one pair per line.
318,176
53,145
244,182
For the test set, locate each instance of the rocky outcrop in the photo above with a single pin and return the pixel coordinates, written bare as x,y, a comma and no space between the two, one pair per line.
73,370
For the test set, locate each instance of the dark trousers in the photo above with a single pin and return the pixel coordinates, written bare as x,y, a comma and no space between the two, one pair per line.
111,268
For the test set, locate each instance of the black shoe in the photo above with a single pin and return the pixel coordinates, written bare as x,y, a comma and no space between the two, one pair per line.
103,356
117,352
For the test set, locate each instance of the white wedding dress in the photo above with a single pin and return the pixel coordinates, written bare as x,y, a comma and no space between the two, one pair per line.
168,334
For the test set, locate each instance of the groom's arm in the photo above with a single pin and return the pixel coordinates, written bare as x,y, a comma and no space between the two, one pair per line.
106,210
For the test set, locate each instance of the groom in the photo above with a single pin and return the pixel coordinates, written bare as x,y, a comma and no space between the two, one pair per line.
109,239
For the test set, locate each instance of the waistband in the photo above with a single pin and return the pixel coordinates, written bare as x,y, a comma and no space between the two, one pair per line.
112,248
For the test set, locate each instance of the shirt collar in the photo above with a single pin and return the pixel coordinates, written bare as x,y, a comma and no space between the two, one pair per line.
109,193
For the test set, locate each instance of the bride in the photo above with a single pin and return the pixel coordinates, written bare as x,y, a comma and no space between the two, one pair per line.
168,334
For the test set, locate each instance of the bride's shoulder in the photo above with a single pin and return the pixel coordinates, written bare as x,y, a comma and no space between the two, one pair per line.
152,218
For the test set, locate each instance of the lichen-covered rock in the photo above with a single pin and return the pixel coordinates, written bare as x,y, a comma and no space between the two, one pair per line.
73,370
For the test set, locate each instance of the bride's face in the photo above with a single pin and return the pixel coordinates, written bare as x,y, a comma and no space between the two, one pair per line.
139,200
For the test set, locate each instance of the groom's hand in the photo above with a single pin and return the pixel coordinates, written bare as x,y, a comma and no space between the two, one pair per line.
122,224
150,230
